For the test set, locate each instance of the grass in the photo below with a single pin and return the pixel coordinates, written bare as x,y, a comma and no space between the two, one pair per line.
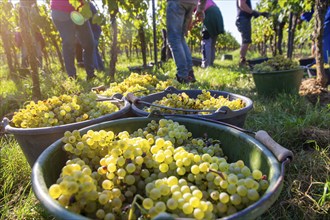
306,189
17,198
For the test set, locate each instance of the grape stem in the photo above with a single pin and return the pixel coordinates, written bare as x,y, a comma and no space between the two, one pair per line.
217,172
131,211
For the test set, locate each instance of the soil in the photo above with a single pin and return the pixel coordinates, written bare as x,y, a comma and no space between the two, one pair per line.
320,136
314,92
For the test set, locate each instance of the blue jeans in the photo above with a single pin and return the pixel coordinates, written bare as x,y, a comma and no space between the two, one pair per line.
178,17
69,32
97,59
208,49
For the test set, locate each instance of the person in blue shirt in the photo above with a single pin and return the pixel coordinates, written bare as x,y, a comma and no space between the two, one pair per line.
326,37
307,16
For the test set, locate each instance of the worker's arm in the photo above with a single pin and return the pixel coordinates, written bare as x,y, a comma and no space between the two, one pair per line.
244,7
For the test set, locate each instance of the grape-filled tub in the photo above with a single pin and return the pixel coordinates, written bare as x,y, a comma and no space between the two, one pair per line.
223,114
33,141
236,145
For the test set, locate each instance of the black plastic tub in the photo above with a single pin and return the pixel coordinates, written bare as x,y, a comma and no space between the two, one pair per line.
33,141
224,114
196,61
312,73
306,61
141,69
253,62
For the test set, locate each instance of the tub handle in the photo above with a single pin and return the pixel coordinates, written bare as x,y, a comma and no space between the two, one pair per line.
3,124
280,152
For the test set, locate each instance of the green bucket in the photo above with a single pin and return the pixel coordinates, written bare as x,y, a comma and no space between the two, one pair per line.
33,141
271,83
237,145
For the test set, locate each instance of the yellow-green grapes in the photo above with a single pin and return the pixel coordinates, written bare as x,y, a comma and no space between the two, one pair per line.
204,101
157,168
62,110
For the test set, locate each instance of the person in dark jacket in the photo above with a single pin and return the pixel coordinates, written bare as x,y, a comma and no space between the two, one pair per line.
212,27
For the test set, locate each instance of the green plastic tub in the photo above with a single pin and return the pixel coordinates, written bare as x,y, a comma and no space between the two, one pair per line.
33,141
236,145
272,83
224,114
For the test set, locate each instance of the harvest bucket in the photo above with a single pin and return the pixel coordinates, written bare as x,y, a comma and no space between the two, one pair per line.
235,143
33,141
224,114
271,83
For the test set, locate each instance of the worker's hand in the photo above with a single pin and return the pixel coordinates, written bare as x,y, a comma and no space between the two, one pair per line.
265,14
255,14
199,16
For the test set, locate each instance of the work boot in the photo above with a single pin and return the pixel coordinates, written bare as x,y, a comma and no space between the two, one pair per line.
242,62
90,77
183,80
191,76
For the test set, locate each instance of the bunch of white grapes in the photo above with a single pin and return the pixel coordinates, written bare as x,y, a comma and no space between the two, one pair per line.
139,84
61,110
277,63
156,169
204,101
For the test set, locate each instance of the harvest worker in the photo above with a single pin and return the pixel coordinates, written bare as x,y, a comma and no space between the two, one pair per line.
60,12
307,16
40,45
243,23
212,27
178,18
96,29
326,36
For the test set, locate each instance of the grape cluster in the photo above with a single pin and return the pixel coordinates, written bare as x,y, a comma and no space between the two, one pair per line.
140,85
204,101
61,110
277,63
159,168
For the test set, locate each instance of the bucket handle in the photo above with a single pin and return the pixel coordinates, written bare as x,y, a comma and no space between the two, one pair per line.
3,124
280,152
117,99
